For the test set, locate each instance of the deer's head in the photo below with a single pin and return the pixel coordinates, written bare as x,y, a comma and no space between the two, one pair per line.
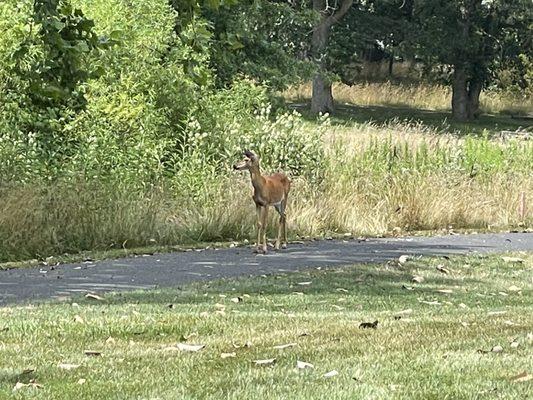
250,160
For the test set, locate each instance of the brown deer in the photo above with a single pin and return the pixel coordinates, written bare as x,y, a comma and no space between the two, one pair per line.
271,190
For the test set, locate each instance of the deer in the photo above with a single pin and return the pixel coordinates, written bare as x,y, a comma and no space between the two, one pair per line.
268,190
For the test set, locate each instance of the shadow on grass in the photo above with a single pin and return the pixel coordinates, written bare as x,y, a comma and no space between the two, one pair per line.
364,281
441,121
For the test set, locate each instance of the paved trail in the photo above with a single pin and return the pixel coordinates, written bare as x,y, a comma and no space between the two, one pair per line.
174,269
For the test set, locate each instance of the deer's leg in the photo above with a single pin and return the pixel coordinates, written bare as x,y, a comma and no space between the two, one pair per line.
258,211
264,215
283,223
279,209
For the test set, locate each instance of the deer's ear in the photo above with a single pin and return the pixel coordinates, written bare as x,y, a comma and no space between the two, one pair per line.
250,155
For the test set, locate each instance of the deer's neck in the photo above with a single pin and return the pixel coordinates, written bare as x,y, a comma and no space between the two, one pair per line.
258,181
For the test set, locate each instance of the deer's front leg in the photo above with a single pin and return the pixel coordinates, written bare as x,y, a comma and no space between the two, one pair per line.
258,211
264,216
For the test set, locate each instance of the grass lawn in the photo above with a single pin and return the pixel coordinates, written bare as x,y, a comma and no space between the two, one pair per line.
463,332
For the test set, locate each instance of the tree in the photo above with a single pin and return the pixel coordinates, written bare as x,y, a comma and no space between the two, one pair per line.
469,35
322,100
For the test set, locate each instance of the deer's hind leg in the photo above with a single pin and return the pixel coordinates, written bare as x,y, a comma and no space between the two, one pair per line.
259,213
282,231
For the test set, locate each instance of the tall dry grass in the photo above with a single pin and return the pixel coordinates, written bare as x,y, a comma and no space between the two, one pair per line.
378,180
424,96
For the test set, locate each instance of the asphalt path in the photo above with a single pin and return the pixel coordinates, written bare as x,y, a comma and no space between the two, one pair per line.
174,269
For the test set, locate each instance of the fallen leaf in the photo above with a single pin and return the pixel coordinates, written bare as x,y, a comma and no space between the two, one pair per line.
431,303
523,377
493,313
284,346
236,299
92,353
303,365
342,290
68,367
28,371
402,313
268,361
445,291
417,279
190,347
31,384
441,268
403,259
330,374
497,349
18,385
336,307
81,381
463,305
78,319
304,283
369,325
514,344
238,346
513,259
408,287
228,355
92,296
514,288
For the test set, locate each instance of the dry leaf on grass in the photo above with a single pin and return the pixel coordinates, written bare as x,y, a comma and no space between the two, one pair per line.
28,371
92,296
284,346
523,377
514,288
369,325
304,283
228,355
81,381
441,268
268,361
330,374
342,290
403,259
417,279
190,347
431,303
514,344
513,259
497,349
92,353
445,291
238,346
31,384
303,365
236,299
68,367
78,319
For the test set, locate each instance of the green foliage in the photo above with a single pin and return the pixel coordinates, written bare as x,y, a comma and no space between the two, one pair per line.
231,120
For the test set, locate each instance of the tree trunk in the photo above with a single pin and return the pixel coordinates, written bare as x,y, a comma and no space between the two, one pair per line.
391,64
322,97
460,100
322,100
474,90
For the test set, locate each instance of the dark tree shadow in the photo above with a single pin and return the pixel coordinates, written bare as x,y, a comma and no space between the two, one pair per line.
440,121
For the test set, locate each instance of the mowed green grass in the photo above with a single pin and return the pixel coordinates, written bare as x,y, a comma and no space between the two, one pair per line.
433,339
